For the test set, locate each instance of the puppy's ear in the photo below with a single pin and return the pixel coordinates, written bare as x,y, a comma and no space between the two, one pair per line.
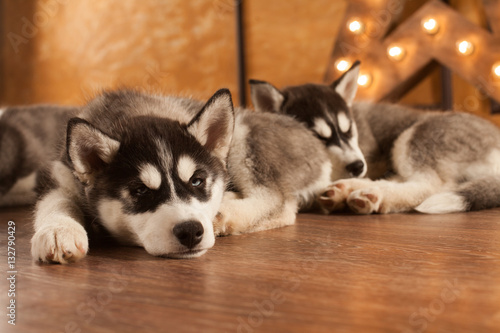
88,149
347,85
265,97
213,126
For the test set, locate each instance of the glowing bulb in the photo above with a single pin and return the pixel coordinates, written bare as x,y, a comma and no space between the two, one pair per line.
496,69
356,26
396,52
465,47
364,80
430,25
342,65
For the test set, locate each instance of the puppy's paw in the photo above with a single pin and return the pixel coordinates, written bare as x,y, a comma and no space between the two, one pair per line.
365,201
335,196
62,242
222,227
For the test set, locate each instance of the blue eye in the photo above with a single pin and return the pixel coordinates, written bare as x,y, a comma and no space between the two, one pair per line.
140,191
195,181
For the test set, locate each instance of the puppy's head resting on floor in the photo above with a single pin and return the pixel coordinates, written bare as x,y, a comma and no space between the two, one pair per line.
326,110
153,181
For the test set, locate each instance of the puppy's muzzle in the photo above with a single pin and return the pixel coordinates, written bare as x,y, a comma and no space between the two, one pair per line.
189,233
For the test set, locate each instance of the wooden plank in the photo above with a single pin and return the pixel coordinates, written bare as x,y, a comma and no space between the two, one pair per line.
492,8
342,273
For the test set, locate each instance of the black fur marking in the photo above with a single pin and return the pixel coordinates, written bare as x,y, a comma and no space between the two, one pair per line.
311,101
186,190
139,146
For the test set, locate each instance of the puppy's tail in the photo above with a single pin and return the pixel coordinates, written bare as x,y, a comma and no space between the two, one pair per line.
472,195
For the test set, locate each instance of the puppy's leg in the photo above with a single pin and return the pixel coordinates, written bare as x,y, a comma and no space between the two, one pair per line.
261,210
383,196
59,233
386,196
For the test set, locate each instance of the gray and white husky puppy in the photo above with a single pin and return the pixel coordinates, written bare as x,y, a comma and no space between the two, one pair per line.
431,162
169,174
28,142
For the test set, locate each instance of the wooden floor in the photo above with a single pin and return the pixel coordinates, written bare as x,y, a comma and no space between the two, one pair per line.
343,273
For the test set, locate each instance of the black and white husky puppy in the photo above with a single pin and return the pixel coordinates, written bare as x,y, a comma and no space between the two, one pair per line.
437,162
169,174
28,142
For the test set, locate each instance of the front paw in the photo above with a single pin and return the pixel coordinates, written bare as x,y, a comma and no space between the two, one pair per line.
221,226
63,243
365,201
334,198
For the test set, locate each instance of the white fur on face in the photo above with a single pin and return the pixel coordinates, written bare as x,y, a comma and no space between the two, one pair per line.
346,154
154,230
344,122
322,128
150,176
186,168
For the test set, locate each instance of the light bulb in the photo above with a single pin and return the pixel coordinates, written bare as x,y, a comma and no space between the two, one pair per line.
356,26
430,25
342,65
396,52
464,47
364,79
496,69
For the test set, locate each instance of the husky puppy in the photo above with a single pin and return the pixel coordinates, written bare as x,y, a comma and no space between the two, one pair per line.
431,162
28,141
312,105
169,174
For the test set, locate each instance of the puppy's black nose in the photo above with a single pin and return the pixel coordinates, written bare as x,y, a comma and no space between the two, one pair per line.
189,233
355,168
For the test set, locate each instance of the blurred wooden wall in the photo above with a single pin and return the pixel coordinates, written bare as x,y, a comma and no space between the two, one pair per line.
63,51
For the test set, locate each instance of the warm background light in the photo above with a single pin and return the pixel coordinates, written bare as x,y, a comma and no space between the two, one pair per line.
496,69
430,25
342,65
465,47
396,52
356,26
364,80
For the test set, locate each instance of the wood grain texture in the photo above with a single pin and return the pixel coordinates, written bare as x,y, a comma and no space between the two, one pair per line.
339,273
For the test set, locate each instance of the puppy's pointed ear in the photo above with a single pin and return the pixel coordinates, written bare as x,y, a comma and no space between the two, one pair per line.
265,97
347,85
213,126
88,149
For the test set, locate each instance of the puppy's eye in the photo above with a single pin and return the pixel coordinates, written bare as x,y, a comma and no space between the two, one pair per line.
323,139
196,181
140,190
